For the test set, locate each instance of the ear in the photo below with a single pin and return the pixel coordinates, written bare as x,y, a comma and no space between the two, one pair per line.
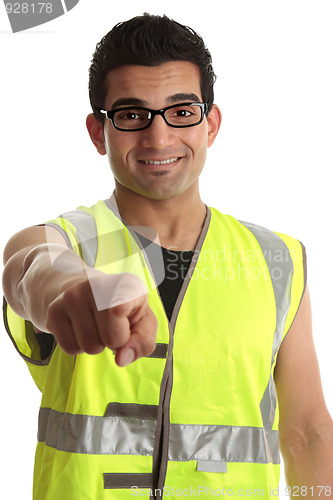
214,122
96,132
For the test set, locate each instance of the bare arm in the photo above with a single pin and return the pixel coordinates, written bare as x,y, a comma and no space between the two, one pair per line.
306,428
48,284
35,241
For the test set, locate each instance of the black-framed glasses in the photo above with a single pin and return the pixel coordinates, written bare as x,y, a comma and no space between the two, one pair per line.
132,118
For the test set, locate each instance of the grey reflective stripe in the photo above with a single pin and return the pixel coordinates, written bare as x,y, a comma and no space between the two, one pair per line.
30,334
86,233
131,410
134,436
223,443
159,352
127,480
88,240
211,466
150,253
281,269
96,435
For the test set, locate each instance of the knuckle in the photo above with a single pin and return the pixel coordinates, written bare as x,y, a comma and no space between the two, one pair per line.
120,309
94,348
154,323
68,345
88,338
115,340
54,316
75,297
146,345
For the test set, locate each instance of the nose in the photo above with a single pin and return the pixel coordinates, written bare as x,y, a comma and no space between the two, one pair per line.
159,134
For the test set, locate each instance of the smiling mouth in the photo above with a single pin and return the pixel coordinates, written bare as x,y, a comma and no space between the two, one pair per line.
159,162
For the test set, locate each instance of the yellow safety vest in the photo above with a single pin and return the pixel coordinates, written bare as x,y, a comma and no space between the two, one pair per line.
198,417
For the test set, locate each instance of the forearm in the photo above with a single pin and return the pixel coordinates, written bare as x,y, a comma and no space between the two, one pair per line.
33,278
309,464
85,309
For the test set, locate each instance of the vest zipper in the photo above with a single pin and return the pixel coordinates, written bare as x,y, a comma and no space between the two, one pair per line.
161,445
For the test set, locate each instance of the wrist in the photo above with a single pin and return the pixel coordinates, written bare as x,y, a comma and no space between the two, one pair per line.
48,270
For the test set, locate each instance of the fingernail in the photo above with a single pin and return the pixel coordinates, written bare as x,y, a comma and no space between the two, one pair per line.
128,357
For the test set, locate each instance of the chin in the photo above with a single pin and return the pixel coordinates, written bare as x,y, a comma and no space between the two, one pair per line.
158,188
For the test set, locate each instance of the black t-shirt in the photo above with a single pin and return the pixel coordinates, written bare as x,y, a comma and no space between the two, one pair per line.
175,264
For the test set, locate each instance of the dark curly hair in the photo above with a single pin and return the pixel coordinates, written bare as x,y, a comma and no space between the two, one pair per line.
148,40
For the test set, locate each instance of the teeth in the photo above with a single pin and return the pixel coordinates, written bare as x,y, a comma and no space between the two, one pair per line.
164,162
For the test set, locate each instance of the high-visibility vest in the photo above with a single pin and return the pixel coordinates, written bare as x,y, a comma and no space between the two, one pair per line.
198,417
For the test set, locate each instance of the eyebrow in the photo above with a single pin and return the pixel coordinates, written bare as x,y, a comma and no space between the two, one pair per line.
183,97
128,101
133,101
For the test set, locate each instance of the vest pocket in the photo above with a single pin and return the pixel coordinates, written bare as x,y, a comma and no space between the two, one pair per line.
211,466
127,480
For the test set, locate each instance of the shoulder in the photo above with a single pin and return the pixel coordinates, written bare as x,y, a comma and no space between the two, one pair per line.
268,239
283,256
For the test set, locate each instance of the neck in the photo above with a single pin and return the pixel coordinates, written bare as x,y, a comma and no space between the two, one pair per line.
178,221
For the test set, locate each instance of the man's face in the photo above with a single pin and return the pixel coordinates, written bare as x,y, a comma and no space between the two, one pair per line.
128,152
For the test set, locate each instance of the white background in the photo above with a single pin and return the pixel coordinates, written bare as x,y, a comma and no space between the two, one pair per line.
270,165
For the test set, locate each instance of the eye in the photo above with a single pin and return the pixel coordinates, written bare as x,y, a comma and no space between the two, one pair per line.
129,115
183,113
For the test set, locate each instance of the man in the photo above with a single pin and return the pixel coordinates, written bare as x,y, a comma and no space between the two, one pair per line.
155,380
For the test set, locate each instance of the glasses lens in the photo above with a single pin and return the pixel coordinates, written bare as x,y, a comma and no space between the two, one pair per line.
131,119
184,115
